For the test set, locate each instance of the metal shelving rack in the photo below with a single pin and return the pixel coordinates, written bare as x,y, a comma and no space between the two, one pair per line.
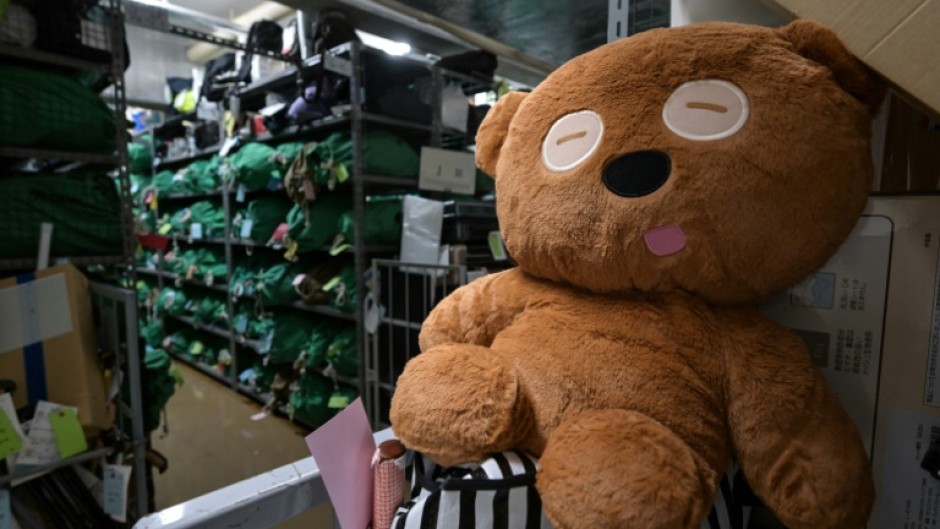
116,307
356,121
117,160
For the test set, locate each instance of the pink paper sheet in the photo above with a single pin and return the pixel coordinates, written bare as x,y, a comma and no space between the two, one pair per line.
343,449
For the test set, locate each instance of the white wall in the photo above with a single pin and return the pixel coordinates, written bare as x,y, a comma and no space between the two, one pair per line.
745,11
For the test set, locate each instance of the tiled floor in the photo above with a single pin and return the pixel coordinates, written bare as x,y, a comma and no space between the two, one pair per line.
213,442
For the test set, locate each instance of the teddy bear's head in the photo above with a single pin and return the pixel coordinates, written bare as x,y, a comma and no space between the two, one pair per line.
720,159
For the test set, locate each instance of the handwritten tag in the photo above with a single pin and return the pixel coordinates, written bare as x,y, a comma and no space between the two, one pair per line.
195,230
10,442
497,247
247,225
240,193
68,433
116,480
338,402
342,174
11,436
240,323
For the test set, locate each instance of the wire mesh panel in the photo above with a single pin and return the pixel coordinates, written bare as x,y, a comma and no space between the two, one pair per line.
403,295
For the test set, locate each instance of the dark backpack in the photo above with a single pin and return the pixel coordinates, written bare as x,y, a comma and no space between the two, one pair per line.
263,35
331,29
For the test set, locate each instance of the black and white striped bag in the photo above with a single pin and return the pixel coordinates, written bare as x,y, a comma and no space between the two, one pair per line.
500,493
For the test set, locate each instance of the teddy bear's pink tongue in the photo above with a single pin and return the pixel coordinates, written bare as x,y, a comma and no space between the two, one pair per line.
664,241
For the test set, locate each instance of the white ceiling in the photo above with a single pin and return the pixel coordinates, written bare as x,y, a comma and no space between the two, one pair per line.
221,8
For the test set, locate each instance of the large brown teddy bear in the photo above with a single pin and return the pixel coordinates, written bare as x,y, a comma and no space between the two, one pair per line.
651,191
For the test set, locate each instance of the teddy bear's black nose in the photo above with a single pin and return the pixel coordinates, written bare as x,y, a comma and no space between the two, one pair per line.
637,174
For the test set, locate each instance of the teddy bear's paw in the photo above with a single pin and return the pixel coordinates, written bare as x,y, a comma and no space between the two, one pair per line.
459,402
621,469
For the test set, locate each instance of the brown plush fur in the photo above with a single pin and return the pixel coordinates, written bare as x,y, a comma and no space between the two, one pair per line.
637,377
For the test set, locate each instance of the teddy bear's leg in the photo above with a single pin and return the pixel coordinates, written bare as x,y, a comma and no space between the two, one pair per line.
459,402
621,469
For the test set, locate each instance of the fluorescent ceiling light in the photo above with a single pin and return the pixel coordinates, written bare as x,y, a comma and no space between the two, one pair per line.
390,47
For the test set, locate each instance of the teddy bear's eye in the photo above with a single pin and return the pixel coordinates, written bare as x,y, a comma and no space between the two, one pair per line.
571,140
710,109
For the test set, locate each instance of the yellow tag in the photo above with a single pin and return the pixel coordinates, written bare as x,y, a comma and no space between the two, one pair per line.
10,442
191,272
196,348
68,433
291,250
165,229
338,402
331,284
177,376
339,249
341,173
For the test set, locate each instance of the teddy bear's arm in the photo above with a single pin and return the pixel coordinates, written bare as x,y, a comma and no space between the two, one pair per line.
475,313
798,448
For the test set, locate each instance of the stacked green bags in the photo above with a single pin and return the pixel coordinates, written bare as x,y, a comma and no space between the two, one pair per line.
83,207
47,110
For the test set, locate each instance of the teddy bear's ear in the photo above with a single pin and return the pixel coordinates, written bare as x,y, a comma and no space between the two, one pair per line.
819,44
494,129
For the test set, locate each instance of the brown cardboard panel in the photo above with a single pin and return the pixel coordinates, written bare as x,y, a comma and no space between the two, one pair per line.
897,38
73,376
910,54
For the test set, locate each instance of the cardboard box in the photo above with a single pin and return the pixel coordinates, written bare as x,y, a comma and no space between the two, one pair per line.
48,344
871,318
897,38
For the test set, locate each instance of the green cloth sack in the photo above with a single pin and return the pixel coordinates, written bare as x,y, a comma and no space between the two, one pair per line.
342,290
242,281
313,226
171,302
287,153
211,216
284,343
383,217
318,399
204,176
254,166
46,110
383,153
84,208
322,335
172,183
274,285
342,353
265,215
210,311
309,404
152,333
139,155
159,385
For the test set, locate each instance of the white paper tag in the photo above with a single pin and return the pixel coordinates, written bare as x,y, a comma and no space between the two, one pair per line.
448,171
116,480
195,230
42,447
240,193
6,516
227,146
245,232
